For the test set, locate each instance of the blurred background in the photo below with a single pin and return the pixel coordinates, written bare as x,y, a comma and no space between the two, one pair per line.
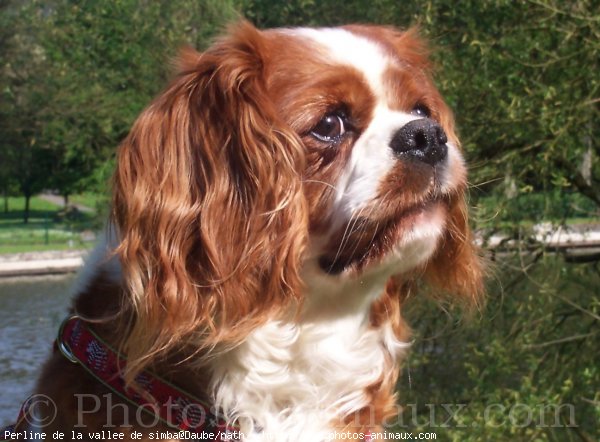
523,79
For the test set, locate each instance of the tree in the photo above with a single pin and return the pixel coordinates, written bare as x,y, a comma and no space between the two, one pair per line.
122,52
530,108
80,72
4,174
21,113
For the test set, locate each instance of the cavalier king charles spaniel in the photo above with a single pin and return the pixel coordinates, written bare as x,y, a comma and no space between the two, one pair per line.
272,209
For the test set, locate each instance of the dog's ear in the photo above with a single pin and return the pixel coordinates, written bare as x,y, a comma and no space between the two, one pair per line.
456,269
208,203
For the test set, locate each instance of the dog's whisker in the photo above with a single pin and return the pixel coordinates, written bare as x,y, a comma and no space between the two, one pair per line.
353,220
321,182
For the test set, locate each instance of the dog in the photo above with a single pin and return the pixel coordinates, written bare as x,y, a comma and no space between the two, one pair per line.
272,209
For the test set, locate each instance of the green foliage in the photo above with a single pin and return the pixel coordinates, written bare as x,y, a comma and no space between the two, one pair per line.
529,108
76,76
527,369
558,206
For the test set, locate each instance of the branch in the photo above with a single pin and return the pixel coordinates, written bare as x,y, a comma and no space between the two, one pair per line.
582,434
562,340
590,401
577,306
581,259
555,10
577,180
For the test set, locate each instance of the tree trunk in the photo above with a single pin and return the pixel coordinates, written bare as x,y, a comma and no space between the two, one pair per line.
66,200
5,192
26,211
586,166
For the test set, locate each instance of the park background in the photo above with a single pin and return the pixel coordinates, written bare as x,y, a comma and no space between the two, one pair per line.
523,79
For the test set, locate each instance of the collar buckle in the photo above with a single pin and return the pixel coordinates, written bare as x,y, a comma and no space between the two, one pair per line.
62,346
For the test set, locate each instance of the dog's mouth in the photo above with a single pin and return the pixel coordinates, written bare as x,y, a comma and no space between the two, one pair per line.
364,242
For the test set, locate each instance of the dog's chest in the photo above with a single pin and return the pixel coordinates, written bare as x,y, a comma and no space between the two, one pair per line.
293,382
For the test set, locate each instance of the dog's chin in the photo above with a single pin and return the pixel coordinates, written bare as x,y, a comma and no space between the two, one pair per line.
392,246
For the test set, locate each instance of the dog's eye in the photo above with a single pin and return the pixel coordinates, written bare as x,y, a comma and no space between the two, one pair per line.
420,110
330,128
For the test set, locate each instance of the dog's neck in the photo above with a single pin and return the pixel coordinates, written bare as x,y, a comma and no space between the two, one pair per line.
301,379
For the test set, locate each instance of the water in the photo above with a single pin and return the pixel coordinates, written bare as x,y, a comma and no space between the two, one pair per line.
31,309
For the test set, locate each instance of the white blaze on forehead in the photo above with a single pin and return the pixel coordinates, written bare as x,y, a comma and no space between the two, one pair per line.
344,47
371,157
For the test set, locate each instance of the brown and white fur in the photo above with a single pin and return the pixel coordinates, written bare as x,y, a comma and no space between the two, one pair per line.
269,218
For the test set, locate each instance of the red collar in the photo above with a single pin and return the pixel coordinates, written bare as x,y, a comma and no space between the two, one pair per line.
181,411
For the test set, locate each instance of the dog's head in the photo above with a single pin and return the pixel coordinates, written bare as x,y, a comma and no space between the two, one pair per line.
277,151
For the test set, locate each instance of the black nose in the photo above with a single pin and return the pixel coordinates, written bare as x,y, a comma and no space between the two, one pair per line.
421,139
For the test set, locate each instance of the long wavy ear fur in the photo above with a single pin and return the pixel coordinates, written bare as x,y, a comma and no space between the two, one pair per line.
456,269
208,205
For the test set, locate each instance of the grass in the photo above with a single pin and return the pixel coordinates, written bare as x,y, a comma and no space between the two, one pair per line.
25,248
46,229
91,200
16,206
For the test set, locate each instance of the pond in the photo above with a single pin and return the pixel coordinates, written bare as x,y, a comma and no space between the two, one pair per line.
31,310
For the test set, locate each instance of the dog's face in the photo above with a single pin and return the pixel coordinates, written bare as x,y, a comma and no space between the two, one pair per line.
277,150
382,162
